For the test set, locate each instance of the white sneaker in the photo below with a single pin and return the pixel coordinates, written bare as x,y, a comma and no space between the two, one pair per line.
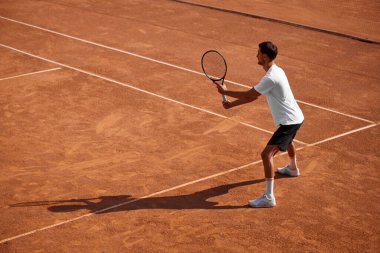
287,170
264,201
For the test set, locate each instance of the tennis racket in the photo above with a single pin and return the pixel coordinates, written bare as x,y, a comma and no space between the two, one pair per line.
215,67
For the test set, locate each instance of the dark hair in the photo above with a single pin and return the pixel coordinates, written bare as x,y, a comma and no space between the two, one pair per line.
269,49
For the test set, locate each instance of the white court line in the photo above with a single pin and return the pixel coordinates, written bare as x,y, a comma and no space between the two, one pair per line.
28,74
174,188
341,113
167,64
138,89
340,135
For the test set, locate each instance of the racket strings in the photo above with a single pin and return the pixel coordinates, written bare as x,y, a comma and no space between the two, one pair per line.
214,65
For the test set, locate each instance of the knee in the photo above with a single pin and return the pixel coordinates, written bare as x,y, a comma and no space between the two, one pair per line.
268,153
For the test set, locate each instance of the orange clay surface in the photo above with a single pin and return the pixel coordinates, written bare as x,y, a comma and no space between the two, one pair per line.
354,17
124,116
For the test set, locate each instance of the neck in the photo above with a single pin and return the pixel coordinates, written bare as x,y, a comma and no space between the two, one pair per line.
267,65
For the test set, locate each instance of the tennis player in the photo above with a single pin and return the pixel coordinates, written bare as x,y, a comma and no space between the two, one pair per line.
286,114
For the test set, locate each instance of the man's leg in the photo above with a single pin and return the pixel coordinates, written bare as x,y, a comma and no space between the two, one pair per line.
267,157
268,199
291,150
292,156
291,169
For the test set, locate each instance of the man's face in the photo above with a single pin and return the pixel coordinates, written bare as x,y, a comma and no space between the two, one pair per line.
260,58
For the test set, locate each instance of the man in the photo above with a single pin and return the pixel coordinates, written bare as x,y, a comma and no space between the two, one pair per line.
286,114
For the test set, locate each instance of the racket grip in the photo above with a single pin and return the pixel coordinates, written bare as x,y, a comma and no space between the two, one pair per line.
224,98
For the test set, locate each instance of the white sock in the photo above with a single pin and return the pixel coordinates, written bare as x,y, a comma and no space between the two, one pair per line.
293,163
270,186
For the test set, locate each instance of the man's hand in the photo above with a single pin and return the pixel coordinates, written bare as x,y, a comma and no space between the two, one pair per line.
226,104
221,88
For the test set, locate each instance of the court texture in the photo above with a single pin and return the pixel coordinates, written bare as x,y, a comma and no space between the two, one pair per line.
113,140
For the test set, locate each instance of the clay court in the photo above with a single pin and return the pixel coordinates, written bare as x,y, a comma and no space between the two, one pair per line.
113,140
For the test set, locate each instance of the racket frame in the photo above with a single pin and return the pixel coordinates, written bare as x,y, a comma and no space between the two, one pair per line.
213,78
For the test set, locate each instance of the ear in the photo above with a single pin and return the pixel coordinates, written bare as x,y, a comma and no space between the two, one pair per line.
266,58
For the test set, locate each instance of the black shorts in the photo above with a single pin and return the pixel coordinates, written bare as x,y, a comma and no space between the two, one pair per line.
284,135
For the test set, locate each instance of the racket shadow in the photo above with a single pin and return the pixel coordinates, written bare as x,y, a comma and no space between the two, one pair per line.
196,200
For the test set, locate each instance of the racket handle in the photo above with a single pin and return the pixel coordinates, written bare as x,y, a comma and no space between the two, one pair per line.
224,98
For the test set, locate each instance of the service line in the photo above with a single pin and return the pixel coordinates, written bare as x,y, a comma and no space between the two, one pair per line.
28,74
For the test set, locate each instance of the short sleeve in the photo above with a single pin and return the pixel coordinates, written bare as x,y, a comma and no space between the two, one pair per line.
264,86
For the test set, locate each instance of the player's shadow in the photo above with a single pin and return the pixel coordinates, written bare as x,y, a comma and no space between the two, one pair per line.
104,204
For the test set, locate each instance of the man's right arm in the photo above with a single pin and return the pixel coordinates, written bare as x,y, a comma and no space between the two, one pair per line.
249,94
242,100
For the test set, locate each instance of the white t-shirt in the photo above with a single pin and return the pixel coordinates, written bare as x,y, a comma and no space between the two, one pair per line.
283,106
